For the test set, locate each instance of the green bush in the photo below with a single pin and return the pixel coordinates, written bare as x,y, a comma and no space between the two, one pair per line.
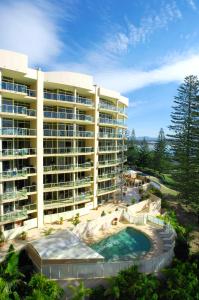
133,200
153,190
48,231
103,214
75,220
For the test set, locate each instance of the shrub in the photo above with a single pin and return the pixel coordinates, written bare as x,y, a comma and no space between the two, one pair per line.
181,248
75,220
153,190
133,200
48,231
23,235
103,214
61,220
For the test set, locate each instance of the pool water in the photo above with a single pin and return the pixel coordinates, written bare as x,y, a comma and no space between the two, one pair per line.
127,244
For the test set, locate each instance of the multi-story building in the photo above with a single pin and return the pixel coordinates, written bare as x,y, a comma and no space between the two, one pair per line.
62,144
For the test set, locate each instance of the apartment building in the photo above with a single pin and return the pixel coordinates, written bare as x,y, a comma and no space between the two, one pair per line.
62,144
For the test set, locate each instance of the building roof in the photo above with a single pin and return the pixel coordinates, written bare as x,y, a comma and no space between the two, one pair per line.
64,245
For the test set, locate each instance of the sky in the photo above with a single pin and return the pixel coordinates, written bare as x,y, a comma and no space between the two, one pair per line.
142,49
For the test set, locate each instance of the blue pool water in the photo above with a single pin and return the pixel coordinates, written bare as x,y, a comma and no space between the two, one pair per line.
124,245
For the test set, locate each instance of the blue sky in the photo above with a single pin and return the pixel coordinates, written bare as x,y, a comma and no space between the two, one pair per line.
141,48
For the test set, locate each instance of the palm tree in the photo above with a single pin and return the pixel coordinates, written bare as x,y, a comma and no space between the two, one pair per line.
43,288
79,292
10,277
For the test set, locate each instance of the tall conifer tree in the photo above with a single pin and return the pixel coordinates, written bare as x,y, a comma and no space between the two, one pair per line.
160,152
185,138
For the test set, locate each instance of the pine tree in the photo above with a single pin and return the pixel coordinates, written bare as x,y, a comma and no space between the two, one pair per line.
160,152
185,138
132,153
144,154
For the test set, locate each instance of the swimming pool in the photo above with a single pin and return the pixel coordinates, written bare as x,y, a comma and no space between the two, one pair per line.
127,244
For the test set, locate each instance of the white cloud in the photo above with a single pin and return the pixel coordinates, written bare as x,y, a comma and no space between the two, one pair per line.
30,29
132,35
126,80
192,4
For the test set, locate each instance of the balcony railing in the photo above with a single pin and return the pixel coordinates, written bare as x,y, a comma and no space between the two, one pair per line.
29,207
18,152
17,173
55,168
107,175
16,195
110,135
19,88
78,182
57,203
112,148
108,162
111,121
68,133
68,116
107,106
68,150
107,189
16,131
14,215
19,110
67,98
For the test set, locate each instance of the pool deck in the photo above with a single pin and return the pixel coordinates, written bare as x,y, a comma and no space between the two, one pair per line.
150,231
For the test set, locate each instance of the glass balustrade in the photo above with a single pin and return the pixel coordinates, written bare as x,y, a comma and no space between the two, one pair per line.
20,110
107,106
13,215
68,150
68,116
19,88
110,135
18,152
15,195
106,189
14,131
67,98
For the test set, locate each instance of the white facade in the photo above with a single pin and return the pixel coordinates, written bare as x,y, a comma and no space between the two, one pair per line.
62,144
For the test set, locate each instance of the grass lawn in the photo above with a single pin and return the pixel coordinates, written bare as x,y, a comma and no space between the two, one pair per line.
184,212
163,188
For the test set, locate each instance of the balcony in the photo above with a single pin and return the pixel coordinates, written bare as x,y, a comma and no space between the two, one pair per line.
106,106
29,207
17,110
68,184
105,163
16,131
108,148
11,196
67,133
15,174
48,204
67,98
17,88
69,151
13,216
107,176
107,189
68,116
112,122
60,168
10,153
111,135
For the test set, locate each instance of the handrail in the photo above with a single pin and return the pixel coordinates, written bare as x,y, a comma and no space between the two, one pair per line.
16,87
16,152
69,116
68,150
14,109
14,131
13,215
67,98
59,132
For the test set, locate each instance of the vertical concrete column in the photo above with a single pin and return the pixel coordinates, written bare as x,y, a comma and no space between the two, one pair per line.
40,202
96,145
74,144
1,167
